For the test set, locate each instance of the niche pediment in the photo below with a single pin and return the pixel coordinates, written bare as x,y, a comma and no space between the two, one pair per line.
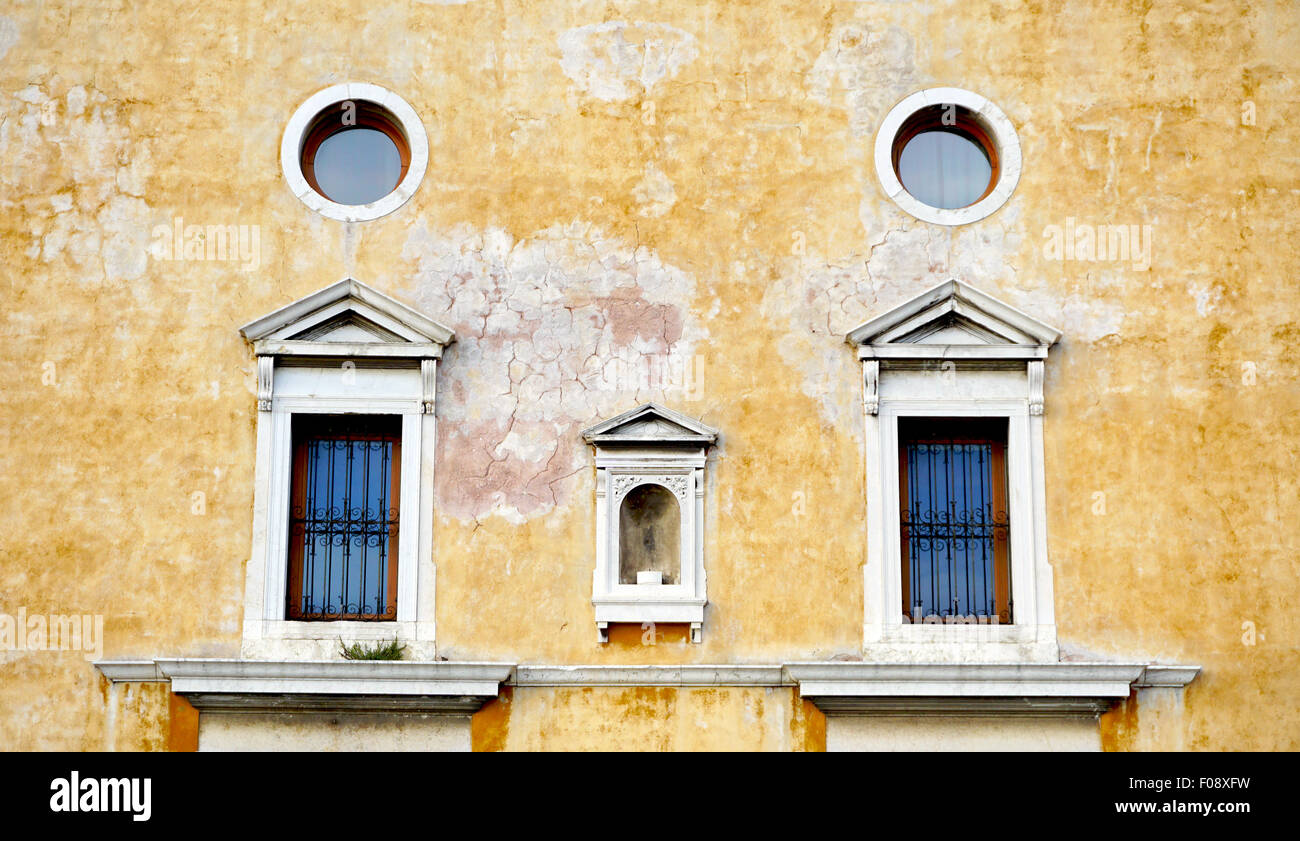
650,423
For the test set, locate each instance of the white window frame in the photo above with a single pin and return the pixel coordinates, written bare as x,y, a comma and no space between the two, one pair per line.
303,372
916,363
333,97
650,445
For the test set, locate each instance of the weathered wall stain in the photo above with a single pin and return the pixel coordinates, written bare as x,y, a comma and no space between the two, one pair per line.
653,719
550,332
619,60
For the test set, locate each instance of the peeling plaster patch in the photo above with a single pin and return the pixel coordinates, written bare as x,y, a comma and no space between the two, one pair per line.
78,149
125,222
864,72
1080,317
619,60
820,301
985,253
525,448
538,322
654,195
1206,296
8,35
76,101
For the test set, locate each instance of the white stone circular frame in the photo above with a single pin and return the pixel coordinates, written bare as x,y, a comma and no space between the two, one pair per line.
294,133
1000,130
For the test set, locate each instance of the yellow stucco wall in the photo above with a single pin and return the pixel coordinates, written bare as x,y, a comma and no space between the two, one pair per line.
602,718
709,201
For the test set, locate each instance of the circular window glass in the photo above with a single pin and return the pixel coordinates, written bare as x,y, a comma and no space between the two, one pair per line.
944,158
357,166
355,153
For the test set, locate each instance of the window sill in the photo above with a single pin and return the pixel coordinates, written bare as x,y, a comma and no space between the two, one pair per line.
961,643
837,688
649,607
290,640
1086,689
330,686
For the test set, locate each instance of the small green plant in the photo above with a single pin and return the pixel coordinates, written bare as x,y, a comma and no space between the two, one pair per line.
378,651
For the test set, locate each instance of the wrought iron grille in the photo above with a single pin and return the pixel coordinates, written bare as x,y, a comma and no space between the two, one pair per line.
344,519
955,530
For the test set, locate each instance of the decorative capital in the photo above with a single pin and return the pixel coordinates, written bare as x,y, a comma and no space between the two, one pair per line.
623,483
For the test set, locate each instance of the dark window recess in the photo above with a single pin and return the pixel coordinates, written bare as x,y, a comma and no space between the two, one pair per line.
649,534
343,517
955,529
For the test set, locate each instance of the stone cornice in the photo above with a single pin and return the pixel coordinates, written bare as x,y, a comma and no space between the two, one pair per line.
1063,688
1033,689
131,671
325,686
685,675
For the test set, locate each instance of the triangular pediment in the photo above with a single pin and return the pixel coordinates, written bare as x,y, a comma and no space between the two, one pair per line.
953,313
650,423
349,327
347,314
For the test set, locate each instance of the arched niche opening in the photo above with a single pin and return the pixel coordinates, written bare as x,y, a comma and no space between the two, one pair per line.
649,535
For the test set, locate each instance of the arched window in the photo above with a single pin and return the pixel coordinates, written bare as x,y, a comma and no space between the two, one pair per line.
649,537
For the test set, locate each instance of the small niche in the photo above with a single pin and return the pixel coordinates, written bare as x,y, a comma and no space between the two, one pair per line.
649,536
650,503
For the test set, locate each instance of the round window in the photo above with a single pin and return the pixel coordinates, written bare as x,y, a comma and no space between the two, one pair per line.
944,157
947,156
354,152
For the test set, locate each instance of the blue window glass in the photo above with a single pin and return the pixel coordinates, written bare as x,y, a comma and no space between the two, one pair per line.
954,520
944,169
357,166
344,518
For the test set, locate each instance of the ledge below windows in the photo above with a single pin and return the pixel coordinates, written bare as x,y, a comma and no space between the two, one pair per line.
837,688
321,686
1033,689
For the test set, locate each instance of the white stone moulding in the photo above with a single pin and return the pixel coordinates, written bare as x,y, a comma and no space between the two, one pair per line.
954,351
296,130
650,444
131,671
683,675
1001,131
388,326
347,348
212,685
1065,688
1025,689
